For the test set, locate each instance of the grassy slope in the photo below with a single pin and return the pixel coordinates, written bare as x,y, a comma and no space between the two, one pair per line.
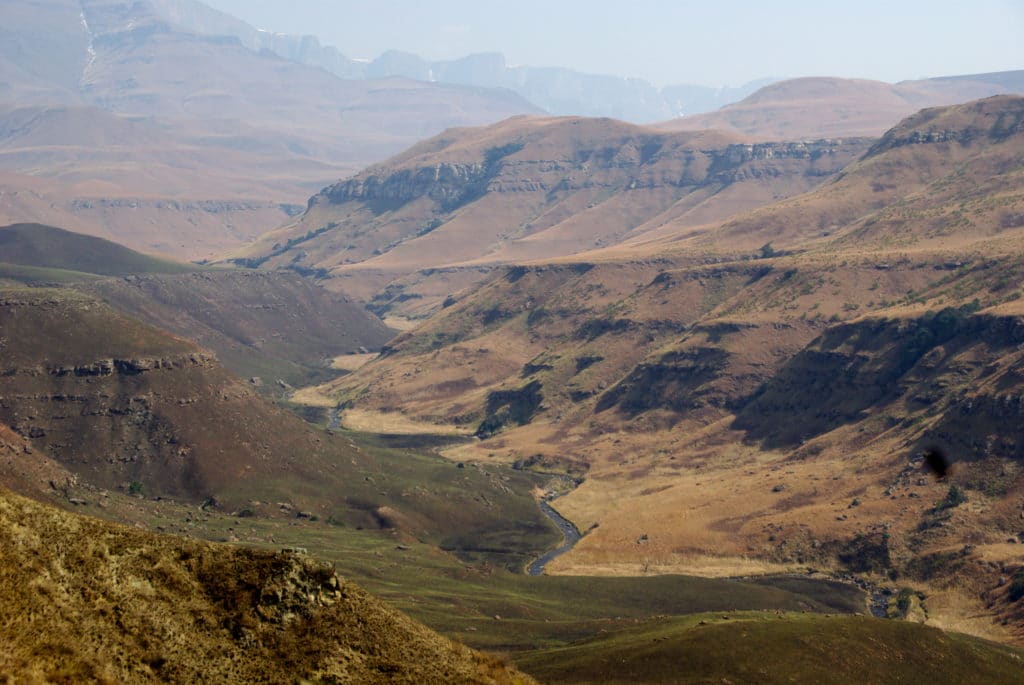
55,248
270,325
148,608
40,276
186,428
929,220
273,326
777,648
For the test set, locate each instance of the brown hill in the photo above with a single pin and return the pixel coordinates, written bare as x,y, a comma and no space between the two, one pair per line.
943,179
125,407
148,608
764,388
48,247
211,141
437,217
816,107
274,325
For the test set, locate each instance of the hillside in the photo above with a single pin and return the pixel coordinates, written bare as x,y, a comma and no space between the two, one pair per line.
148,608
274,326
408,233
762,389
777,649
808,108
129,409
48,247
130,126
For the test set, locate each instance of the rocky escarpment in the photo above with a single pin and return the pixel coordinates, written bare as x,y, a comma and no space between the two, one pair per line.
950,374
124,367
990,120
450,184
524,189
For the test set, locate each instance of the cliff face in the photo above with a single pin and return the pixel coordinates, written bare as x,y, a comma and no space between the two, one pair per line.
634,161
126,406
529,188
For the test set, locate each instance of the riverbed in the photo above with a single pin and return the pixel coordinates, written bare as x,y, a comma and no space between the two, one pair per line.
570,534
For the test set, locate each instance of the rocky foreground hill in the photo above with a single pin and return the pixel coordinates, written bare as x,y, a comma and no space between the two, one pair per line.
88,601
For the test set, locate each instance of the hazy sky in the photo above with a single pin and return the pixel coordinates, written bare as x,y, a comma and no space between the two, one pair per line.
713,42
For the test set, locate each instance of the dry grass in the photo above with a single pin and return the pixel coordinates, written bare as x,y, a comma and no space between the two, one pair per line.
145,608
352,362
312,397
393,423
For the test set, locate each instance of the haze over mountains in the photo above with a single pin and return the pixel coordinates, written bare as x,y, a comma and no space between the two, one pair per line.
719,352
120,119
161,127
553,89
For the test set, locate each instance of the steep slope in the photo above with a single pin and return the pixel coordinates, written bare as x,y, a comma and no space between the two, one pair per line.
808,108
126,407
273,326
277,326
437,217
231,138
764,388
49,247
148,608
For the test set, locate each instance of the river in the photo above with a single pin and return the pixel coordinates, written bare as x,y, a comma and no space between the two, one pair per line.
570,533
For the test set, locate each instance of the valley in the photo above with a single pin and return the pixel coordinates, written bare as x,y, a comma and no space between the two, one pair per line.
751,399
327,369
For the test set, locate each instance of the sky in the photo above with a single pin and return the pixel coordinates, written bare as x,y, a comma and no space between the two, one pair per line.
717,43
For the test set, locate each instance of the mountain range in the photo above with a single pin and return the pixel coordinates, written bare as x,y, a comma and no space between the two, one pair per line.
421,226
122,123
762,386
172,128
762,377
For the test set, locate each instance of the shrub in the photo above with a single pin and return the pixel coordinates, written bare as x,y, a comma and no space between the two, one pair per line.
1017,586
954,498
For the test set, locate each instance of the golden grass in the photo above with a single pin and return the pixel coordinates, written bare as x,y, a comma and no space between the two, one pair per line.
704,565
390,422
351,362
142,608
312,397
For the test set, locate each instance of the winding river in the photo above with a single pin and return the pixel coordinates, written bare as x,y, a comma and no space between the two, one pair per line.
569,532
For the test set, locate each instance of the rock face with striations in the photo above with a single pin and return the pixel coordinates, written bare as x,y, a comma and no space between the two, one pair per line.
528,188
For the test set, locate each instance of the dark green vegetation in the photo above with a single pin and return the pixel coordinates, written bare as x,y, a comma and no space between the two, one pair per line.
484,605
506,407
39,276
777,648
